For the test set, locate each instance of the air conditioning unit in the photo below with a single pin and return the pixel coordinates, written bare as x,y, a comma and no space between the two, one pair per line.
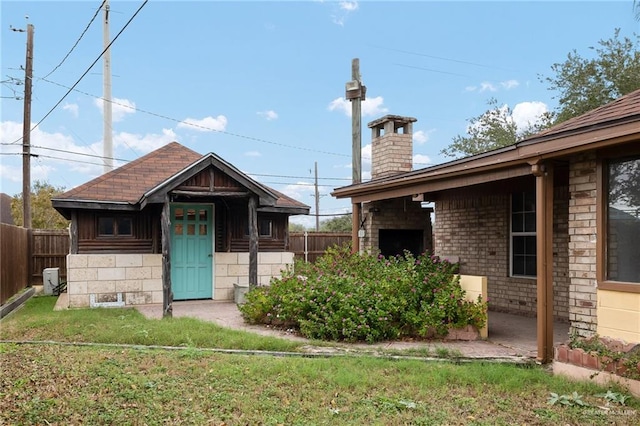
50,279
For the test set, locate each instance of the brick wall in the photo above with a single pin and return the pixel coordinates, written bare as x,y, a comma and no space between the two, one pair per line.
477,231
391,153
397,213
582,244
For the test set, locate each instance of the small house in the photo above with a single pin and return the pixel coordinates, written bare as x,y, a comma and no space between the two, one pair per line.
173,225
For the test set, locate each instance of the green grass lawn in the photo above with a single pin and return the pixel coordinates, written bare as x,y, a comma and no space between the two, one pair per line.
56,384
38,321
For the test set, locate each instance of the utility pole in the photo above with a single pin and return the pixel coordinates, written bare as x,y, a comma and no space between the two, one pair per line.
26,132
106,95
355,92
317,201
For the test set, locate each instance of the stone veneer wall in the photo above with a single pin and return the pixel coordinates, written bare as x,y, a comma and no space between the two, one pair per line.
477,231
138,277
233,268
582,244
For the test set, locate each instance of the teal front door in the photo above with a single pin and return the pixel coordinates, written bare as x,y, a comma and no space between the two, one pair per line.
191,251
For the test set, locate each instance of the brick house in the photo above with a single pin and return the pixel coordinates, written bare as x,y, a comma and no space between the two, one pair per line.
173,224
551,221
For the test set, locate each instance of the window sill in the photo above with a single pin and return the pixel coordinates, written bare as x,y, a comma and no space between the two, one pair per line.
619,286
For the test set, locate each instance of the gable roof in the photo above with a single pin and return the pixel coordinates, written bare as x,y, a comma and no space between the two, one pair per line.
614,123
146,180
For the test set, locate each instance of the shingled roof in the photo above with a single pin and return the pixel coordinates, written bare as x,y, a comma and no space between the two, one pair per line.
625,108
130,183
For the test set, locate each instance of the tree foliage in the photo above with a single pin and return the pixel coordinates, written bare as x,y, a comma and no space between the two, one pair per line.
583,84
43,215
337,224
296,227
493,129
587,83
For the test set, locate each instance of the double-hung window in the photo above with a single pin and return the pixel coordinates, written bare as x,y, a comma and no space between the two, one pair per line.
523,234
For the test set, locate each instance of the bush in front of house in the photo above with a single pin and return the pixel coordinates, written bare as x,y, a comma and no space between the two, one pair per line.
363,297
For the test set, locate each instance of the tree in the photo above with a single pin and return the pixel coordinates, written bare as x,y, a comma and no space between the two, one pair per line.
585,84
43,215
296,227
337,224
493,129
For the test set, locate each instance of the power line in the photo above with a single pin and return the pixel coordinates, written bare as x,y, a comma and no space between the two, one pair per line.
199,126
86,72
408,52
77,41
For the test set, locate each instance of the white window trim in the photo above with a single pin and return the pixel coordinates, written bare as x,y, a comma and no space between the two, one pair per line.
516,234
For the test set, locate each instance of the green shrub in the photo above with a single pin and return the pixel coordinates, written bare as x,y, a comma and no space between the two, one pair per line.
362,297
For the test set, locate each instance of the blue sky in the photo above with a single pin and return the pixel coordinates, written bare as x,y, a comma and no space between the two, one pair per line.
265,81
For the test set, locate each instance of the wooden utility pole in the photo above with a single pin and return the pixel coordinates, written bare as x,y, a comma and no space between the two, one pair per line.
355,92
317,201
26,132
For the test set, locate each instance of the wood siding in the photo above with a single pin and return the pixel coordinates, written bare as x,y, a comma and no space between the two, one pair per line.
145,236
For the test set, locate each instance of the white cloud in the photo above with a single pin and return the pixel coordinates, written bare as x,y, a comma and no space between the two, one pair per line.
525,114
349,6
119,107
366,154
11,173
420,160
72,108
62,148
269,114
509,84
253,154
299,191
485,86
420,137
207,124
143,144
342,11
370,106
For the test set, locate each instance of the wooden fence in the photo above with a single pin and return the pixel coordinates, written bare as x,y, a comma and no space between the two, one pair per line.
14,260
317,243
49,249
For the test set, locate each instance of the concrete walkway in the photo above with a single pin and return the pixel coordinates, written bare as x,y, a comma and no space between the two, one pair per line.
510,336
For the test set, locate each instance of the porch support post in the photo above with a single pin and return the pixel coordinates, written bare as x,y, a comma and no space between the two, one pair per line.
544,255
167,293
356,212
253,241
73,233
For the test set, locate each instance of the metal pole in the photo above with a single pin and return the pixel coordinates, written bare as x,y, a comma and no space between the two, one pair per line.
317,201
106,95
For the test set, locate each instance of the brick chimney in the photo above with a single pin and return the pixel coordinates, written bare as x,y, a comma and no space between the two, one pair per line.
391,145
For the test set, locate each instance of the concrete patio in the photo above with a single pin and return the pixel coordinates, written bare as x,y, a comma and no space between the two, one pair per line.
509,335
